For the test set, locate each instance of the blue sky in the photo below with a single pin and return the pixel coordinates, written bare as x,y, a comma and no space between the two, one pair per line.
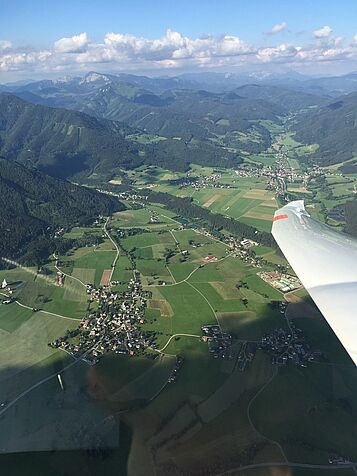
29,27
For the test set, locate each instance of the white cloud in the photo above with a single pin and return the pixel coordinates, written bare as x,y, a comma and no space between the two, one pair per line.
5,45
173,50
355,38
278,28
279,53
20,61
74,44
174,45
323,32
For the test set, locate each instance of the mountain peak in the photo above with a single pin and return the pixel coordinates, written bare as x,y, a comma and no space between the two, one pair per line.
93,76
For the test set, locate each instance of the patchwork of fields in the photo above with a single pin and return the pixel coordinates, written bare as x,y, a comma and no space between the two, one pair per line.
246,198
213,408
254,206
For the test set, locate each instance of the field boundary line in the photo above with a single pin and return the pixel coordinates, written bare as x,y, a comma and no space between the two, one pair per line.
210,305
275,373
69,275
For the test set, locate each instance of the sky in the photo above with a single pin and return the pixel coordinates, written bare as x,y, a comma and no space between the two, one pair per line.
51,39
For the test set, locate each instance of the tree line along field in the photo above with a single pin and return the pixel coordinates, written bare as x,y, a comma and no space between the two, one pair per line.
213,412
246,198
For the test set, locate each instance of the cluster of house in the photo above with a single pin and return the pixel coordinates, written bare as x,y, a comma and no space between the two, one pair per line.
219,343
135,197
283,282
337,459
286,346
280,169
114,327
59,232
279,174
154,217
5,287
241,249
204,181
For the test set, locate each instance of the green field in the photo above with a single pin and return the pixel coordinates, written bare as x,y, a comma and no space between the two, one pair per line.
213,412
26,345
97,260
243,199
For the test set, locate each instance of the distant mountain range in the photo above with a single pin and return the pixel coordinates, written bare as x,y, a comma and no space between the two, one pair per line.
128,97
89,128
184,125
82,126
329,86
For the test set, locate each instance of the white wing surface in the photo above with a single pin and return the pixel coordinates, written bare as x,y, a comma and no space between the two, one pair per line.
326,263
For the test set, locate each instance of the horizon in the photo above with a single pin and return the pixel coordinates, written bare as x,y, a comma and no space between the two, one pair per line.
253,75
157,39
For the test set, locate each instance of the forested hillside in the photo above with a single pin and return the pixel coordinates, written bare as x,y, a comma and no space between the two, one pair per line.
59,141
333,128
67,143
175,117
32,203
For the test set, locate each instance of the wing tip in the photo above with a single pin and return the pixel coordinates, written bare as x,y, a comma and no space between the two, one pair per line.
297,207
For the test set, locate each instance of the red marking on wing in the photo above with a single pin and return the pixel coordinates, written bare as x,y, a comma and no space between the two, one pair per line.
280,217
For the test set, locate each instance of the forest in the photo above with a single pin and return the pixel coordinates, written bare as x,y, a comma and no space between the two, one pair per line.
33,205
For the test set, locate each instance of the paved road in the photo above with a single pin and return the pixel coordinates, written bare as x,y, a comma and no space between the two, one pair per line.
46,379
176,335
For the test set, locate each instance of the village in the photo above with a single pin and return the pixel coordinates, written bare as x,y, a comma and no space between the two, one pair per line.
286,346
114,327
219,343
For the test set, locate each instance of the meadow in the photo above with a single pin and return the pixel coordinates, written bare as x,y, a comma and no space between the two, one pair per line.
258,415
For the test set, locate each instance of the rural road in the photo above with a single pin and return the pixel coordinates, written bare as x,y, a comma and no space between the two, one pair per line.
69,275
115,245
42,310
25,392
176,335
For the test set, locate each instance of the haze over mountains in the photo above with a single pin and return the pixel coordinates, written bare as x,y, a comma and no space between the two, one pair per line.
82,126
329,86
184,125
